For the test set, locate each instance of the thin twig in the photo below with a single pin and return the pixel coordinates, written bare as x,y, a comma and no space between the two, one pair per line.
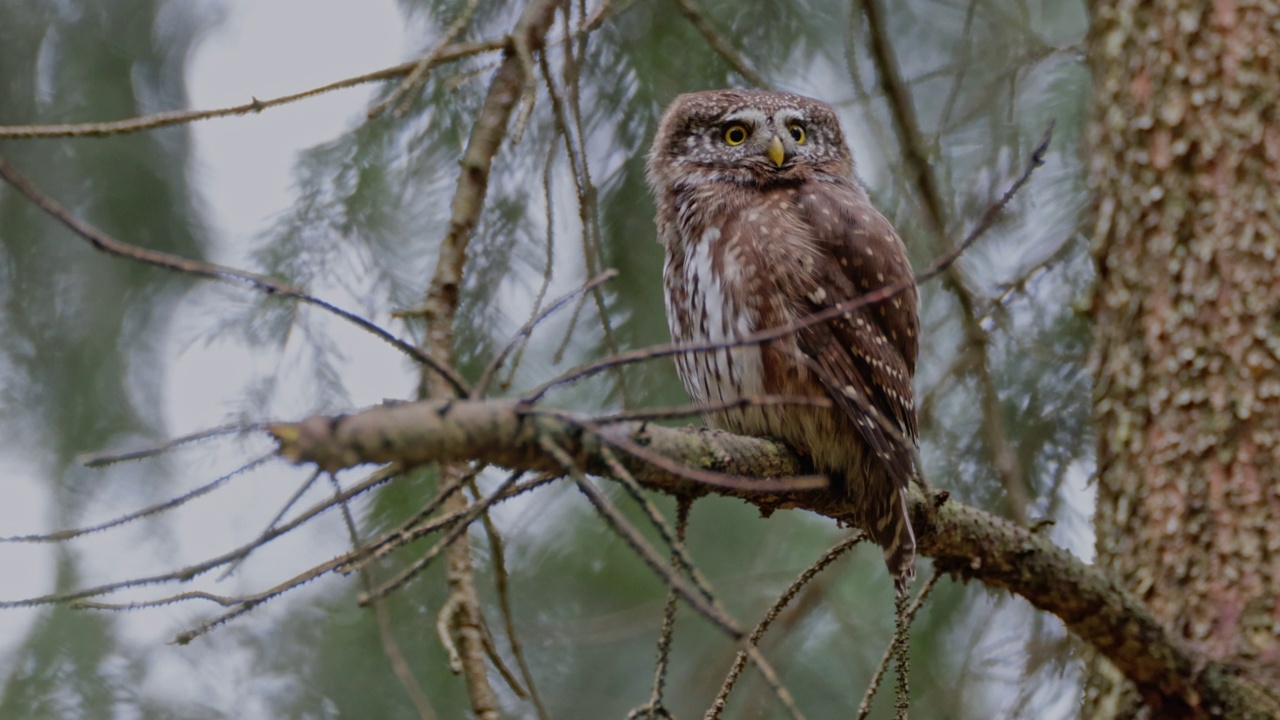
483,383
111,457
418,526
410,528
864,707
382,617
673,412
698,18
241,604
271,526
186,574
962,64
1019,284
588,207
606,11
898,95
178,117
418,74
498,556
674,539
169,504
470,513
740,661
250,602
639,545
548,267
568,124
655,709
683,562
268,285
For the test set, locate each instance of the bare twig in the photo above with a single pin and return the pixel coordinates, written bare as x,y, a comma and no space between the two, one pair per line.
693,11
269,285
419,525
568,123
483,383
186,574
654,709
548,268
386,634
639,545
688,410
498,555
607,10
169,504
962,64
1019,283
111,457
470,513
740,661
903,620
271,526
178,117
410,528
1003,455
683,562
418,74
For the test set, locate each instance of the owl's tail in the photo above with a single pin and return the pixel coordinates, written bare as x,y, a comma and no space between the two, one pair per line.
891,530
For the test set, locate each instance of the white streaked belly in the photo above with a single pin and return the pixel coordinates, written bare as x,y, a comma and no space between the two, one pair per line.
706,312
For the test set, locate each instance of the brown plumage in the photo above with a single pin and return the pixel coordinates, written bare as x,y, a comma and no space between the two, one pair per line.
764,225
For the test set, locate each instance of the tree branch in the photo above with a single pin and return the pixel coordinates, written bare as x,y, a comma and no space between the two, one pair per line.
962,540
440,313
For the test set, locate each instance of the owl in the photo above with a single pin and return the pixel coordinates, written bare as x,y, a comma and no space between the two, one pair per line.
764,225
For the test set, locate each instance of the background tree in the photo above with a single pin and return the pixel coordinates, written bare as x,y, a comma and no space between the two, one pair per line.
554,106
1185,145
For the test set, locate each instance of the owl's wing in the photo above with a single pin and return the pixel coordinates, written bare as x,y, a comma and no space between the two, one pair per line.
866,357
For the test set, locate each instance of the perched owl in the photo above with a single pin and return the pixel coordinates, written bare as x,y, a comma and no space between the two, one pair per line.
764,225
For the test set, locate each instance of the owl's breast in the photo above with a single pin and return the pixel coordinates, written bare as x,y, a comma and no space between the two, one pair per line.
708,301
715,295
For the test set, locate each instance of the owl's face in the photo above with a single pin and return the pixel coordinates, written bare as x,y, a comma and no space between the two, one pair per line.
752,137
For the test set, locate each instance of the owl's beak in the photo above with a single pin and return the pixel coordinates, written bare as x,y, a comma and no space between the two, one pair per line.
776,152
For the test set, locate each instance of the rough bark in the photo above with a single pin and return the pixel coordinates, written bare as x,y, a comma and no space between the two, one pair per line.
1185,144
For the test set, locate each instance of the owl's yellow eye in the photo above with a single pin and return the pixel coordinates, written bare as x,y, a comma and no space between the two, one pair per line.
797,132
735,134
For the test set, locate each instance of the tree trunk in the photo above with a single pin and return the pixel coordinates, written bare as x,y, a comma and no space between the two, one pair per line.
1186,174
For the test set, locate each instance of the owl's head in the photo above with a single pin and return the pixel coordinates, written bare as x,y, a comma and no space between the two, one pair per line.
751,137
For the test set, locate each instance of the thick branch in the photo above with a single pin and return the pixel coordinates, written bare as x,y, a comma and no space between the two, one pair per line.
962,540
